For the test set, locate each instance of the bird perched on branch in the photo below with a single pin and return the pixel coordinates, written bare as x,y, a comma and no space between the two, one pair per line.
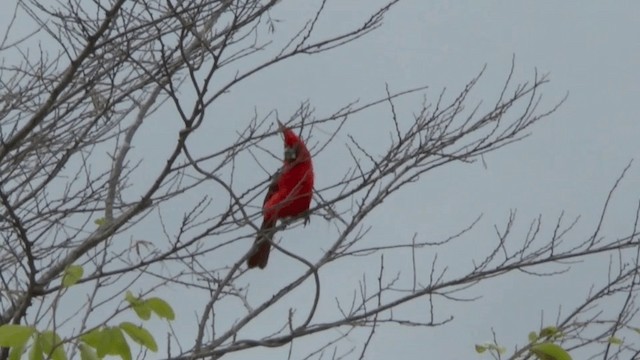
289,194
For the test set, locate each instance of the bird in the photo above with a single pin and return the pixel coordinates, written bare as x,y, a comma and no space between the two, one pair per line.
289,195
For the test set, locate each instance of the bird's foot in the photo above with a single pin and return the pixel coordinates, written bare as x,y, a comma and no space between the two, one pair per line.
289,220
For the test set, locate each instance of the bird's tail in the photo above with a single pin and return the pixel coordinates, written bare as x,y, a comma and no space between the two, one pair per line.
262,245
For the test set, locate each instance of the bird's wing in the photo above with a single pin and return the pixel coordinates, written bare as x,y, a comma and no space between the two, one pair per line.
273,186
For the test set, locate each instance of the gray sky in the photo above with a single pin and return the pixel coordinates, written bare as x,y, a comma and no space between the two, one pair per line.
571,160
591,50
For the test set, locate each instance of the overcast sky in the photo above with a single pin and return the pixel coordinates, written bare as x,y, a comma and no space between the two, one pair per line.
591,50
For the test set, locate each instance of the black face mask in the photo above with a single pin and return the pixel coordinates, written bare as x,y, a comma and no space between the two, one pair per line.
290,154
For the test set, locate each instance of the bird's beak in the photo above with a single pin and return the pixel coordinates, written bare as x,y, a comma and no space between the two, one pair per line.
290,154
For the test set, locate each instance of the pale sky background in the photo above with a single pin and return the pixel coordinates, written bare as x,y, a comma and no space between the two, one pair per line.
591,49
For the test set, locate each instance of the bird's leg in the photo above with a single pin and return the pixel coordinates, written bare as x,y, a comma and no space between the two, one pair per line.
306,216
291,219
284,222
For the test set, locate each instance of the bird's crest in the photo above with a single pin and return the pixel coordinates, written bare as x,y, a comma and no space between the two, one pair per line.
290,137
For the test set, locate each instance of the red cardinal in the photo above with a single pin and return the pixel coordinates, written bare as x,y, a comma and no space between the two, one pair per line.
289,194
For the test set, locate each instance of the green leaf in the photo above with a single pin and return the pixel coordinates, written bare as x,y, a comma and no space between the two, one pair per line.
87,353
161,308
92,338
140,335
36,349
16,352
15,335
615,340
52,345
548,331
141,308
130,298
119,345
550,351
143,311
72,274
100,221
100,340
492,348
533,337
105,342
